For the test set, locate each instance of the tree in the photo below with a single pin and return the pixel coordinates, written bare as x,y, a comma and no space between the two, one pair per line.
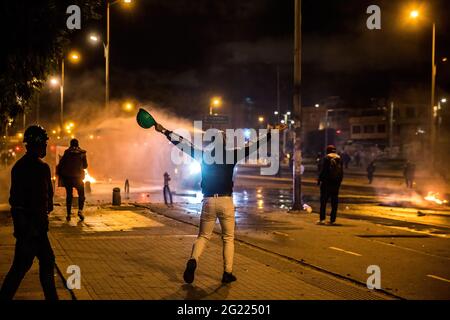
33,36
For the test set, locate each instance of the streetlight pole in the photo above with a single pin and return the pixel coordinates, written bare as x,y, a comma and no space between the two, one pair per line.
433,86
297,178
107,57
61,89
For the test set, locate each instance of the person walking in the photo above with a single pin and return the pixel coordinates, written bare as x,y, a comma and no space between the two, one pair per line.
409,172
370,171
217,189
71,169
31,200
166,189
330,179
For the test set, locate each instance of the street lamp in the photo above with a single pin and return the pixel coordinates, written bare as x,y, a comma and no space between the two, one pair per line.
414,15
106,47
73,57
215,102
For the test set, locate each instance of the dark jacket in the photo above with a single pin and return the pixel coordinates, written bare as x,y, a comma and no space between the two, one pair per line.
331,172
73,163
217,178
31,196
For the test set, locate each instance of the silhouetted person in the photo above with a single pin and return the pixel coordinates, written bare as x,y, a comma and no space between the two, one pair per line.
358,159
370,171
217,189
71,169
409,172
330,179
31,200
166,189
346,159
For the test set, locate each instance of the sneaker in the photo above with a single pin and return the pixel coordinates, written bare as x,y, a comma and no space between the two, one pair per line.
68,218
80,215
332,223
321,222
189,273
228,277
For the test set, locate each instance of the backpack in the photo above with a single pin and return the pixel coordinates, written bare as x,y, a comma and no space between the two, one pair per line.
335,171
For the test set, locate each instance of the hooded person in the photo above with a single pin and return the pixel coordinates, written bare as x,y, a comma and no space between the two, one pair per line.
71,170
330,179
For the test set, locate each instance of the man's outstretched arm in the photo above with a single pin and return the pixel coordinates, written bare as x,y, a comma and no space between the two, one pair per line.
181,143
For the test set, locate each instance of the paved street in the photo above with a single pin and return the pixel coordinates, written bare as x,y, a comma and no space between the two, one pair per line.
139,250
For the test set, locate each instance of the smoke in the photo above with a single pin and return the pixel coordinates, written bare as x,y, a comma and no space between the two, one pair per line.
118,149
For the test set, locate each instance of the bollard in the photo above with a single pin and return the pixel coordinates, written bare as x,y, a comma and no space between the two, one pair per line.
116,197
87,187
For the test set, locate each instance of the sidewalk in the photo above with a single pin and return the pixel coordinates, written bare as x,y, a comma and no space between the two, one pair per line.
133,253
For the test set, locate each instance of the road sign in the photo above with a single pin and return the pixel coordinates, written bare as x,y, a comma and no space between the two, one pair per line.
216,119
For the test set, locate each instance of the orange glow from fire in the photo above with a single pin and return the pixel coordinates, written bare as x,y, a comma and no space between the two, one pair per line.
87,177
434,197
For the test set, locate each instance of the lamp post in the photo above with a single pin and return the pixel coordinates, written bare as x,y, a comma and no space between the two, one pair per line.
75,58
106,47
415,14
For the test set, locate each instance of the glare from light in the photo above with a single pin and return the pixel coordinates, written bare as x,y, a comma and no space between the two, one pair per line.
275,113
443,100
414,14
316,105
93,38
54,82
261,119
194,167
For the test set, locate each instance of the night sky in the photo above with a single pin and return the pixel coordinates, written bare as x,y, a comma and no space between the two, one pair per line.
179,53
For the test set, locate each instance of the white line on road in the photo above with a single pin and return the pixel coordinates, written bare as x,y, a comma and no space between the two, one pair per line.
349,252
438,278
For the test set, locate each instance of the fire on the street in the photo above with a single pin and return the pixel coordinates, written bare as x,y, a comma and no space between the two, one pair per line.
88,177
434,197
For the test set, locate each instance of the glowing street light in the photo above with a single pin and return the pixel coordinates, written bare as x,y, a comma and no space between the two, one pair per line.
54,81
215,102
261,119
316,105
128,106
414,14
74,56
93,38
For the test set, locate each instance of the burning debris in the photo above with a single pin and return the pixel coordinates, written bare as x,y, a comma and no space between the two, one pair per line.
88,177
434,197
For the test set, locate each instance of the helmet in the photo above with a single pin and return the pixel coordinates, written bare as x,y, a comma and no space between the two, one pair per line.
35,134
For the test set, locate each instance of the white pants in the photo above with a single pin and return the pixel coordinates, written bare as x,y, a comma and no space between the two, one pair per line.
213,208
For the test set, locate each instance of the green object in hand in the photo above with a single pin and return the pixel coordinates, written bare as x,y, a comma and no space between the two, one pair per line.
145,119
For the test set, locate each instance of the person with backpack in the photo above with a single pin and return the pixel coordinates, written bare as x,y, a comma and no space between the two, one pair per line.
71,170
330,179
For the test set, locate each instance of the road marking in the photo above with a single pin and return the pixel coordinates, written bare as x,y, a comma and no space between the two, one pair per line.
280,233
409,249
349,252
438,278
416,231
